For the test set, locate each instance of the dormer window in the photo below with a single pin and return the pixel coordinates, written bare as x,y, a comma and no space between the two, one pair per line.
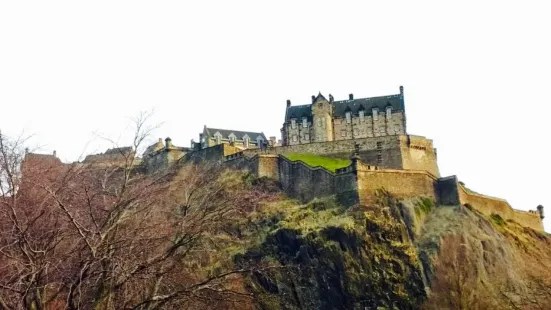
218,138
348,117
304,122
375,112
232,137
362,116
388,112
293,123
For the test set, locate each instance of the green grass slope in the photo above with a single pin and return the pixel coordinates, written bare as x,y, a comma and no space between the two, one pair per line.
312,160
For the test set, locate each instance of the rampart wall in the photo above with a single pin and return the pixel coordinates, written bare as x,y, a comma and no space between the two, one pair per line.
401,183
488,205
215,153
393,152
306,183
453,193
358,183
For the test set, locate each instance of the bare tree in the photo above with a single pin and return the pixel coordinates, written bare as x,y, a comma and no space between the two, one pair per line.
106,236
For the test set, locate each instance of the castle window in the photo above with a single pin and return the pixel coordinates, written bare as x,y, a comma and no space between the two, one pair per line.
348,117
294,138
379,159
356,131
304,122
388,112
375,114
343,133
362,116
307,137
293,123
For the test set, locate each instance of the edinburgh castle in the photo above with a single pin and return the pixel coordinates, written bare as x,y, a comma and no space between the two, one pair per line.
370,133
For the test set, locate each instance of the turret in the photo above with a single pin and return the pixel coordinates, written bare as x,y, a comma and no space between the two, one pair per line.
322,112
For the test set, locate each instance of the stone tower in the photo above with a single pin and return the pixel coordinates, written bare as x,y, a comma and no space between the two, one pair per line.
322,114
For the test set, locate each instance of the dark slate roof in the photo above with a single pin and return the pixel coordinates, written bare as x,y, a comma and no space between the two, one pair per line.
395,101
239,134
299,111
354,106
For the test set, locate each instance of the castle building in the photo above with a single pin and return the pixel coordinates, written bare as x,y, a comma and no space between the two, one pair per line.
243,139
328,120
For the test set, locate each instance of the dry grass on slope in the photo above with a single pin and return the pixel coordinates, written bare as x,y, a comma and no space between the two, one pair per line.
479,262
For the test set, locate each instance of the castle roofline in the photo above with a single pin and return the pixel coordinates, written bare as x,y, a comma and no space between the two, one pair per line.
395,101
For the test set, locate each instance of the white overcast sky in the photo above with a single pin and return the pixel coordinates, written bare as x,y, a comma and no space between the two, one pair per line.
476,74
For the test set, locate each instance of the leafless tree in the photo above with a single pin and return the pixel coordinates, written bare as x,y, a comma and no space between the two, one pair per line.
105,235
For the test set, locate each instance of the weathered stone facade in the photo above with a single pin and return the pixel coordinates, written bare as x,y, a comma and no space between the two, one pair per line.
241,139
328,120
394,152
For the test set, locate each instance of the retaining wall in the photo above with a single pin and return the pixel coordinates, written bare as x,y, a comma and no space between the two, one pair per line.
401,183
488,205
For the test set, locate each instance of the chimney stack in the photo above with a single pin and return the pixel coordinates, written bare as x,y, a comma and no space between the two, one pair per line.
168,143
288,103
313,99
350,96
55,153
401,90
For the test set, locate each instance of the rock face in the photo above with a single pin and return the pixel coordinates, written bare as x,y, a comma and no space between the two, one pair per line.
368,263
398,255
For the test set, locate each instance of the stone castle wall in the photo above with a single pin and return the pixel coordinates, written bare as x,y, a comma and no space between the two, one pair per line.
401,183
215,153
453,193
306,183
393,152
359,182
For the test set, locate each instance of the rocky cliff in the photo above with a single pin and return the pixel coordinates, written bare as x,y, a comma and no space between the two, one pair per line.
394,254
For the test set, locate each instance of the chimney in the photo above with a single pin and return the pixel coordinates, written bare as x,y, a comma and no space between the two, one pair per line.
26,150
55,153
401,90
540,211
313,99
288,103
168,143
331,99
350,96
